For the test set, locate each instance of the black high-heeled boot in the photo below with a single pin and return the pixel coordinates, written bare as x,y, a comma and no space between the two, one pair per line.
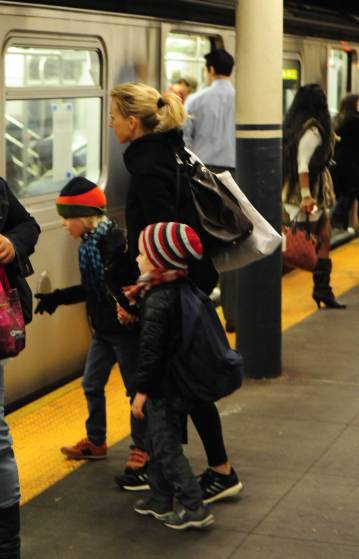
322,292
10,532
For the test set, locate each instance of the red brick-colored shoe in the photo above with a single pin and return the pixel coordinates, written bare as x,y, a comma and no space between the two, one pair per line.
85,450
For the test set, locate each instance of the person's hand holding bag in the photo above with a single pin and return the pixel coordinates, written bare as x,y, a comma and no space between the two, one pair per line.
7,250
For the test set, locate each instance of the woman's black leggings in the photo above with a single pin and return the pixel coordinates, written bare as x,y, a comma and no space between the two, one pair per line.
206,420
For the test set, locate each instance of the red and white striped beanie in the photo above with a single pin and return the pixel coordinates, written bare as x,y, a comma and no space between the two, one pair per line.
171,245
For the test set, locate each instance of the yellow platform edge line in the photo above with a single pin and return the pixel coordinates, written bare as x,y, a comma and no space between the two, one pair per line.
42,427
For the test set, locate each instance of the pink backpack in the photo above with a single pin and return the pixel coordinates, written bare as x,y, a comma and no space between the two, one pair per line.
12,325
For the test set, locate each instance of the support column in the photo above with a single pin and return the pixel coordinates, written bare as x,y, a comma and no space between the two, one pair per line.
259,52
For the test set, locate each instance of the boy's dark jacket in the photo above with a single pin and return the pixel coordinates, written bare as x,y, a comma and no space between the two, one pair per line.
160,319
101,306
22,230
152,196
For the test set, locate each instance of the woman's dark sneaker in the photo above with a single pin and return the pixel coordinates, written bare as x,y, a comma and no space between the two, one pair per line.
217,486
133,480
153,508
183,518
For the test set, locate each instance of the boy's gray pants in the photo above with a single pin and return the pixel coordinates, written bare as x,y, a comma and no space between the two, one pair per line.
9,479
169,472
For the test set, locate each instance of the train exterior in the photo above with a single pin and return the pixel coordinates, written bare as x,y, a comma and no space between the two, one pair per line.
56,69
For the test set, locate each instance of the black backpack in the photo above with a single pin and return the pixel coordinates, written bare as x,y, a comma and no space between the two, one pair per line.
203,366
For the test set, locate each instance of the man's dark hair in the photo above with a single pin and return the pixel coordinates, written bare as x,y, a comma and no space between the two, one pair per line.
221,61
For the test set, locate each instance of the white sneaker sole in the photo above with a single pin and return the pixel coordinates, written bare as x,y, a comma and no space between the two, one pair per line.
144,487
149,512
230,492
192,523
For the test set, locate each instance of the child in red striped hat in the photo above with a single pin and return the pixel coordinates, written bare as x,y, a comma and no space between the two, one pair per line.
165,250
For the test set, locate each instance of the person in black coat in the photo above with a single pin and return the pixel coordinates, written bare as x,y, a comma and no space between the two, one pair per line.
102,259
150,122
346,169
18,236
164,251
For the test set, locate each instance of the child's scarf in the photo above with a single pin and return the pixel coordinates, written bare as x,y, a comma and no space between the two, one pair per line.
91,267
149,280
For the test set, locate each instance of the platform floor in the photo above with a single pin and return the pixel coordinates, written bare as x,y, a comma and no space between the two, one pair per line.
294,441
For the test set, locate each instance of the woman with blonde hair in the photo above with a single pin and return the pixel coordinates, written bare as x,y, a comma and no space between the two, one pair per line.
151,123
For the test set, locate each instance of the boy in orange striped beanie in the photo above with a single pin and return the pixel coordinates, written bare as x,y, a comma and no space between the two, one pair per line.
102,254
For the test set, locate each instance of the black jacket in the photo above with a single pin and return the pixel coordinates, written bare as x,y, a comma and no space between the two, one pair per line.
160,321
22,230
152,196
346,170
101,305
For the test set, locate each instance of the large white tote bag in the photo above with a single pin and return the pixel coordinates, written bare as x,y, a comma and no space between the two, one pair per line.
262,242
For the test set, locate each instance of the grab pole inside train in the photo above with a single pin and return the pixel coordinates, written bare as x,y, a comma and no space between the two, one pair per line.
259,48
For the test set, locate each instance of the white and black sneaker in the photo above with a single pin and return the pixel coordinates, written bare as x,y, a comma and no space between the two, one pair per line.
134,480
184,518
153,508
218,486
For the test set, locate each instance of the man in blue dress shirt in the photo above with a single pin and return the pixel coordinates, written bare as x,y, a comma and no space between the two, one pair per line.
210,133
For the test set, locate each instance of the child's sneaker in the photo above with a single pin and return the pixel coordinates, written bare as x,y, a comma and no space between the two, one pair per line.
186,518
133,480
216,486
152,507
85,450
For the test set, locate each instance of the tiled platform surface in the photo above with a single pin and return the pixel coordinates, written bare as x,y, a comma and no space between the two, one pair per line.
295,442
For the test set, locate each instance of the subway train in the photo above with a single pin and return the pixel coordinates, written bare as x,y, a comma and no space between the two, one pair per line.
57,66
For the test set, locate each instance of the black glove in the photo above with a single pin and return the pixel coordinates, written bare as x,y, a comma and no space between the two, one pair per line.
48,302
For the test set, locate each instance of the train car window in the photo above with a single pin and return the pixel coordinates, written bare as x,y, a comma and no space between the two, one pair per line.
291,76
338,78
53,116
185,57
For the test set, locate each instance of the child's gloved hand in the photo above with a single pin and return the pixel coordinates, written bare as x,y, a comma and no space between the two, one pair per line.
48,302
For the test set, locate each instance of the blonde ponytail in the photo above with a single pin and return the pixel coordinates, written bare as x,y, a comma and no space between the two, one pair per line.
156,112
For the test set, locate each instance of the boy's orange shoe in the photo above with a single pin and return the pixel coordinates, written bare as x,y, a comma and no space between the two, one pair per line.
85,450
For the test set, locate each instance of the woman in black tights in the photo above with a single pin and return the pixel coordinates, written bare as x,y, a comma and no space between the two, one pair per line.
151,122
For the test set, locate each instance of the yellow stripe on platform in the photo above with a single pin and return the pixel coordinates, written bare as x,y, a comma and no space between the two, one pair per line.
41,428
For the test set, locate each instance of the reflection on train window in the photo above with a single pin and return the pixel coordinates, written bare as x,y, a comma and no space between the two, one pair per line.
338,76
291,76
185,57
40,67
50,140
53,116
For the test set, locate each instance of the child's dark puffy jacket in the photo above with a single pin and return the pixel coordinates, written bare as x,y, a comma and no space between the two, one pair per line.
160,321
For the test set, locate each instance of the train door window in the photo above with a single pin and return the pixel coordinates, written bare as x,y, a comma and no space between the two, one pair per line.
291,76
53,116
338,78
184,56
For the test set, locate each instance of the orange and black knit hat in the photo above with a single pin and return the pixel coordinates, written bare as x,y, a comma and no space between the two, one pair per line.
81,198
